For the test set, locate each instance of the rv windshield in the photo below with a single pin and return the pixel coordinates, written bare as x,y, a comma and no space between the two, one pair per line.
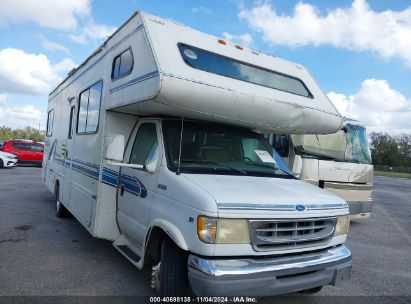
346,146
218,149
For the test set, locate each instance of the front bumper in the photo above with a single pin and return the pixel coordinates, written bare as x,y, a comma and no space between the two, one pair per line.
269,276
9,163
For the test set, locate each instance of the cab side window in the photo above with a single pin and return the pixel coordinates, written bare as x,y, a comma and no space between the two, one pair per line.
145,144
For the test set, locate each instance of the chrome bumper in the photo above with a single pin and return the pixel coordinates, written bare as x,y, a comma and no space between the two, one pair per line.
269,276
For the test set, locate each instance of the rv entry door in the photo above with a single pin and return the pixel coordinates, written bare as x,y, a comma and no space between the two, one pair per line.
136,186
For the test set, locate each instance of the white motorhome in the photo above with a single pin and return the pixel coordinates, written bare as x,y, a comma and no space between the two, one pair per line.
155,143
338,162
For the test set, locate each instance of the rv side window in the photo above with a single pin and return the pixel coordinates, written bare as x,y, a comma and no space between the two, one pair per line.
122,65
145,144
82,112
228,67
89,109
281,145
52,150
50,119
70,132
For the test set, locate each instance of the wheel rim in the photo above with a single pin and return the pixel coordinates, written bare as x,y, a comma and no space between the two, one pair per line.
155,277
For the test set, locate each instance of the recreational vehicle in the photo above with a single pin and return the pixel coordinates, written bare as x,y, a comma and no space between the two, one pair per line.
156,143
338,162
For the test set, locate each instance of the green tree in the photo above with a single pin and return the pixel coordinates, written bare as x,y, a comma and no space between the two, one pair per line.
387,150
26,133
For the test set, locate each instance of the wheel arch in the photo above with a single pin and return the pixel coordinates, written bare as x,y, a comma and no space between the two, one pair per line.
158,231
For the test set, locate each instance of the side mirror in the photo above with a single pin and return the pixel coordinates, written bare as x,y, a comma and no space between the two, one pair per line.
115,148
297,165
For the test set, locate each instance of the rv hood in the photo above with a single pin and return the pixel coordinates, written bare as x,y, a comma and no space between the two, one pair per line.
265,195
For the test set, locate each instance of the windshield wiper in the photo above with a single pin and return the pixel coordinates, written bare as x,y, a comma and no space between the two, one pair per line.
206,161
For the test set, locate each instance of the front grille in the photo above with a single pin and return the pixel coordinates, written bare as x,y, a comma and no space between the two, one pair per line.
286,234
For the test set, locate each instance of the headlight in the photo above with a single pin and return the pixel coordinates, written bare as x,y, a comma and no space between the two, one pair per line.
10,157
223,231
343,222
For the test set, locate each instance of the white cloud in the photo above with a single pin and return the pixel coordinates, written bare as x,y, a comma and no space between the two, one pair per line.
201,9
358,28
52,46
376,104
3,98
56,14
72,16
20,117
244,39
65,65
31,74
93,31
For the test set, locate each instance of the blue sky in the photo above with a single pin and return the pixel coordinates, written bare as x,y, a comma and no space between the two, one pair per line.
358,51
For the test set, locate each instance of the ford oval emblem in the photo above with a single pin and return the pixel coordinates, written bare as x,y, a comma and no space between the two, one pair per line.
300,207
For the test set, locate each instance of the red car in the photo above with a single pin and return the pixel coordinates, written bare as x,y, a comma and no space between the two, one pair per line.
28,152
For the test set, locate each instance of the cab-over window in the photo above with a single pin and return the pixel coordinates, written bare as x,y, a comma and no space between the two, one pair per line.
122,65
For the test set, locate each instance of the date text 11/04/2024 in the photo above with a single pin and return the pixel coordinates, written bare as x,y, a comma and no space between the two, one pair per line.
240,299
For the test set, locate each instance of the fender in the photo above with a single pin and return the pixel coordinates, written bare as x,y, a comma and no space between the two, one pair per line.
170,229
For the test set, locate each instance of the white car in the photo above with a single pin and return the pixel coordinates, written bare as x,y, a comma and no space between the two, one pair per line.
7,159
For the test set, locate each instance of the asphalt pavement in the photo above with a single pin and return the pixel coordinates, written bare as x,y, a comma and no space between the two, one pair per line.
41,255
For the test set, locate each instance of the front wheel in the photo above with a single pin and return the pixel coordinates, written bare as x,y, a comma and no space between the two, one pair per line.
169,274
1,163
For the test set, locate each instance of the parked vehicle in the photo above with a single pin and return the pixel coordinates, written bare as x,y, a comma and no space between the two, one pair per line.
7,160
155,143
338,162
27,152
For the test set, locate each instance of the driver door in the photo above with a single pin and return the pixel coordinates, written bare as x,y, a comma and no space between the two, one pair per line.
136,187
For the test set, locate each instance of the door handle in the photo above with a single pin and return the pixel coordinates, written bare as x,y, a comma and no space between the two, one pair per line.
121,189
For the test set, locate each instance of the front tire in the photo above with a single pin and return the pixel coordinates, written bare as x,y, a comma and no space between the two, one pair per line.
171,271
1,163
61,211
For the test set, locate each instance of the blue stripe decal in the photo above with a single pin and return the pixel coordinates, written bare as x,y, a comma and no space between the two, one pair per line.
97,61
109,177
131,184
86,171
134,81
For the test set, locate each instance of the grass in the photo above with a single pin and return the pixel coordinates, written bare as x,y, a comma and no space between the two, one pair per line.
392,174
